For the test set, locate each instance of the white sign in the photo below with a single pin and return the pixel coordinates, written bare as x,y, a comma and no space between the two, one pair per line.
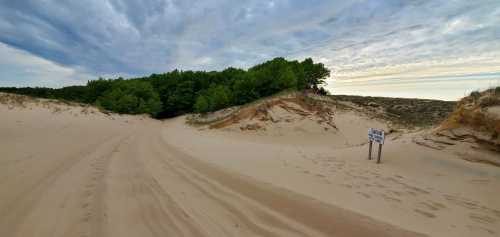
376,135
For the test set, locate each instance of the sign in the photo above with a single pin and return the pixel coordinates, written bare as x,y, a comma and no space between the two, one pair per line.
375,135
378,136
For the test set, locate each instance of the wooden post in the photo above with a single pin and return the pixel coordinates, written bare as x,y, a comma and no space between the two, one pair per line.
379,153
370,151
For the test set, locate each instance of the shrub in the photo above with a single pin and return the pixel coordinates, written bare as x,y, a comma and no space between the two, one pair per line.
489,101
475,95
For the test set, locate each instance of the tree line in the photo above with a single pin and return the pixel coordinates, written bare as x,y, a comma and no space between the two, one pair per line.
180,92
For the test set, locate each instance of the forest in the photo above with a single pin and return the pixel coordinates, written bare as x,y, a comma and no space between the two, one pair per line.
179,92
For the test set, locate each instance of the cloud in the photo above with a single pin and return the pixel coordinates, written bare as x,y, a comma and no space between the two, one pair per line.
18,68
358,40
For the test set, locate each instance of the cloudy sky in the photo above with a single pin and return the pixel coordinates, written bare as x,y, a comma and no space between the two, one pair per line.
409,48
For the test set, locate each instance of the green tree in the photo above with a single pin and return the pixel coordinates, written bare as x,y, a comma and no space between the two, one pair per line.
97,88
182,98
219,97
214,98
315,74
202,104
132,97
179,92
245,90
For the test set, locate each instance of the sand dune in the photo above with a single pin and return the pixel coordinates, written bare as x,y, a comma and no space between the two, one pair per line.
68,170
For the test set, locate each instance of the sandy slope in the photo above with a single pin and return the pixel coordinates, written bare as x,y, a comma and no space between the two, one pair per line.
417,188
72,171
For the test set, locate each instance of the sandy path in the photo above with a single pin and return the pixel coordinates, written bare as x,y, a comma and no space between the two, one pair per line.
93,176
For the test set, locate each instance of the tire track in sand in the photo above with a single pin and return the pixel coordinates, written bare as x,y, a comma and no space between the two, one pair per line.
51,205
245,216
135,207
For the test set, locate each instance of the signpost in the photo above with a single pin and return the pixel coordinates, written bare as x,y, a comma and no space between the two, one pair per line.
378,136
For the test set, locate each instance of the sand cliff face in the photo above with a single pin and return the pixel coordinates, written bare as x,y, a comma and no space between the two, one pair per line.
72,170
474,126
477,117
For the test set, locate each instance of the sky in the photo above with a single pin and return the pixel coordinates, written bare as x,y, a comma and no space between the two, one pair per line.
439,49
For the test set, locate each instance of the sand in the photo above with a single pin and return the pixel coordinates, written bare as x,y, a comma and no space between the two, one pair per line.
67,170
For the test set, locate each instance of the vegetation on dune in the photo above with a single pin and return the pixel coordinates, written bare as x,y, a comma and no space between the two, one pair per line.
473,111
403,111
179,92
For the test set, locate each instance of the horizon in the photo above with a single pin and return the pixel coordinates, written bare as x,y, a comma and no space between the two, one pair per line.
410,49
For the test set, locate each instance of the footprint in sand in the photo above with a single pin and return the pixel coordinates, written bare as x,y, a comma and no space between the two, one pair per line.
389,198
346,185
366,195
396,193
378,185
411,193
424,213
469,204
479,181
484,219
87,193
432,206
491,232
418,190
